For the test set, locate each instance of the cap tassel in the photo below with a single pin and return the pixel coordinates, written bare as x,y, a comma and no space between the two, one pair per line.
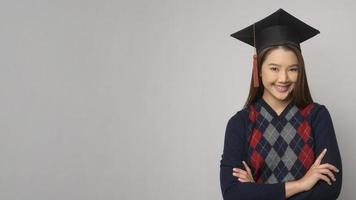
255,72
255,68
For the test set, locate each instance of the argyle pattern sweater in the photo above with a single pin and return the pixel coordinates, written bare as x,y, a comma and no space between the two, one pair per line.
278,148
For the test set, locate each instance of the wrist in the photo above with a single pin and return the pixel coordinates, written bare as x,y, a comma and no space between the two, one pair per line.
293,187
299,185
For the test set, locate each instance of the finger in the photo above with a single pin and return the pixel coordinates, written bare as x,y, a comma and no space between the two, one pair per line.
239,175
328,172
245,175
238,170
236,175
247,168
325,178
242,174
320,157
243,180
248,171
329,166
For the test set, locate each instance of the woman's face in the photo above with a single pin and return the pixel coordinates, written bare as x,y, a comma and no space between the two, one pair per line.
279,74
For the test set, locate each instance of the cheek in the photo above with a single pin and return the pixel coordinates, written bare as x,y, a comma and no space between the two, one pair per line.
265,80
267,76
294,77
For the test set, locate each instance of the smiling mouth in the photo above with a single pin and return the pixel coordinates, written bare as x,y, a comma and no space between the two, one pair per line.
281,88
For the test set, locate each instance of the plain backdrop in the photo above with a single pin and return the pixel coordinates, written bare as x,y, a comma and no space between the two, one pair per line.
130,99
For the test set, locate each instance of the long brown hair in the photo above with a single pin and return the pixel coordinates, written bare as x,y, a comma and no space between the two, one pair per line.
300,95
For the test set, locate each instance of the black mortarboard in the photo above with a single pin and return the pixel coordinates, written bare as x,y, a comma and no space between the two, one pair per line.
276,29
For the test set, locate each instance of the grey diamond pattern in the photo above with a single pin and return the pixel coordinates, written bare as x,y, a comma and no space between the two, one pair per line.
289,158
272,159
271,134
288,133
289,177
272,179
265,114
291,113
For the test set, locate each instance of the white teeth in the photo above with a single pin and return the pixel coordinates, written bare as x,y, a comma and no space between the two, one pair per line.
281,88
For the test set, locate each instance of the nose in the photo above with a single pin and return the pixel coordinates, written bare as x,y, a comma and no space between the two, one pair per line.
283,76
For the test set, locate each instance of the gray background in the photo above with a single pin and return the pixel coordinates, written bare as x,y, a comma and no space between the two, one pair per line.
130,99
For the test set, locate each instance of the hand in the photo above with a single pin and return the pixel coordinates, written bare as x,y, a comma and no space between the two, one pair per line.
242,175
318,172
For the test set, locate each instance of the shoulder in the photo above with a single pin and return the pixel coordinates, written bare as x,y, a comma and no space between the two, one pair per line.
318,109
240,118
319,113
237,126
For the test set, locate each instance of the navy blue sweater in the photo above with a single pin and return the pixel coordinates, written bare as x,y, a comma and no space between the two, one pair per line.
278,148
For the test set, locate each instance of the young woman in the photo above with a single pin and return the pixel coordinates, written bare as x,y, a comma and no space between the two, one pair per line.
281,145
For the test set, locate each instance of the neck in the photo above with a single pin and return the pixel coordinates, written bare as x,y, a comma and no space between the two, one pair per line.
277,105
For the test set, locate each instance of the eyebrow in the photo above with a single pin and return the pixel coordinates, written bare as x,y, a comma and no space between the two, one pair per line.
293,65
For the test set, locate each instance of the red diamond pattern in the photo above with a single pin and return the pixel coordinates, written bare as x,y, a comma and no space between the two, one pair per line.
304,131
306,156
257,160
253,114
255,138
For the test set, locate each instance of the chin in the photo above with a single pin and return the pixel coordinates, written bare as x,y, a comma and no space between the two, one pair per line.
281,97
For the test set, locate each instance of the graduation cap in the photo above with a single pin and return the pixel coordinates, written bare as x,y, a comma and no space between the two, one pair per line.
276,29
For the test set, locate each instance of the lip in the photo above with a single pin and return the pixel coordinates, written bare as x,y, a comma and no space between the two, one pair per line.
282,88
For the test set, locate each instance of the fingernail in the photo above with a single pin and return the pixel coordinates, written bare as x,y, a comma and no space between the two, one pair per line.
337,170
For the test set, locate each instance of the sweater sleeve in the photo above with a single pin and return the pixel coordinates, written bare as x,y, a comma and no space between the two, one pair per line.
231,188
325,137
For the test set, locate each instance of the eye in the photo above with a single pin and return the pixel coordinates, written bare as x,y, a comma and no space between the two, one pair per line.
294,69
274,69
